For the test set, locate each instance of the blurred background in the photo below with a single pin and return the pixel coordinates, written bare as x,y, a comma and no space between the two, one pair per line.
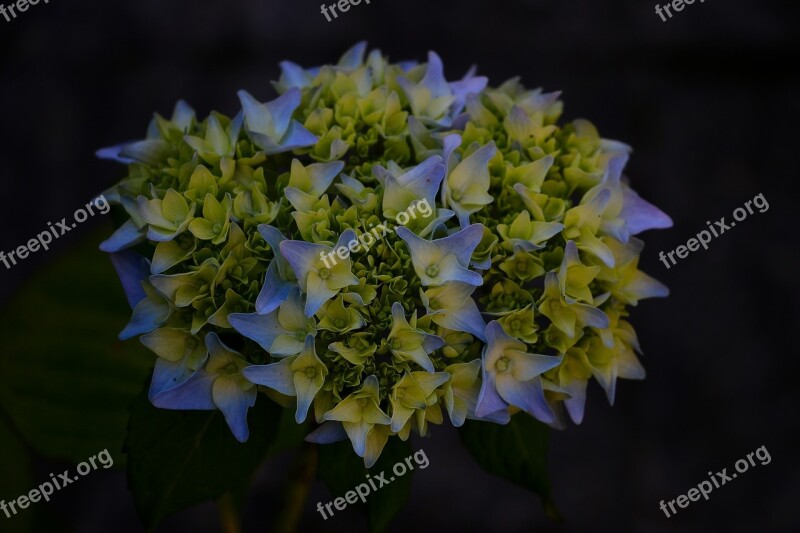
709,101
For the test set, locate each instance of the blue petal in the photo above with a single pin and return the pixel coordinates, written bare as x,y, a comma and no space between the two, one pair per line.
354,57
126,236
640,215
132,269
278,376
168,375
281,110
489,400
274,238
234,403
147,316
293,75
301,256
296,136
256,114
327,433
501,417
193,395
263,329
576,403
274,292
463,88
528,396
434,78
151,152
112,153
463,243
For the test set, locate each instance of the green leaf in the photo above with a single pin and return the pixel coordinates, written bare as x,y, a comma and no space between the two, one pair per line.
516,452
177,459
342,471
65,379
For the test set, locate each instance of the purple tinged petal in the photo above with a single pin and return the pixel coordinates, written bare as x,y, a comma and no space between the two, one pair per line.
317,296
643,286
296,136
590,316
151,152
274,238
147,316
347,236
126,236
432,343
274,292
257,116
465,87
277,376
168,375
281,110
354,57
640,215
358,431
293,75
463,243
112,153
576,403
527,395
263,329
616,165
193,395
327,433
489,400
132,269
434,77
234,403
301,256
501,417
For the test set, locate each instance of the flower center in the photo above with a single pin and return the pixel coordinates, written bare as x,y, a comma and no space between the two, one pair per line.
362,402
456,195
432,271
231,369
521,267
401,393
339,323
515,324
311,372
554,305
395,344
216,228
324,273
502,364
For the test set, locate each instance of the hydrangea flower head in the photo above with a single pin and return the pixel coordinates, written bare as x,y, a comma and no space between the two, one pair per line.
380,246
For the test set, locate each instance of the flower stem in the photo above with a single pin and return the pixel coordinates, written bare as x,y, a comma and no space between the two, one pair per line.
229,514
301,477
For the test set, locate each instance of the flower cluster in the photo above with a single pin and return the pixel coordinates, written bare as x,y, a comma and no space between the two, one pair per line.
508,294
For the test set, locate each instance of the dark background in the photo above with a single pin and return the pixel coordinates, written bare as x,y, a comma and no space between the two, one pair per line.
708,100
